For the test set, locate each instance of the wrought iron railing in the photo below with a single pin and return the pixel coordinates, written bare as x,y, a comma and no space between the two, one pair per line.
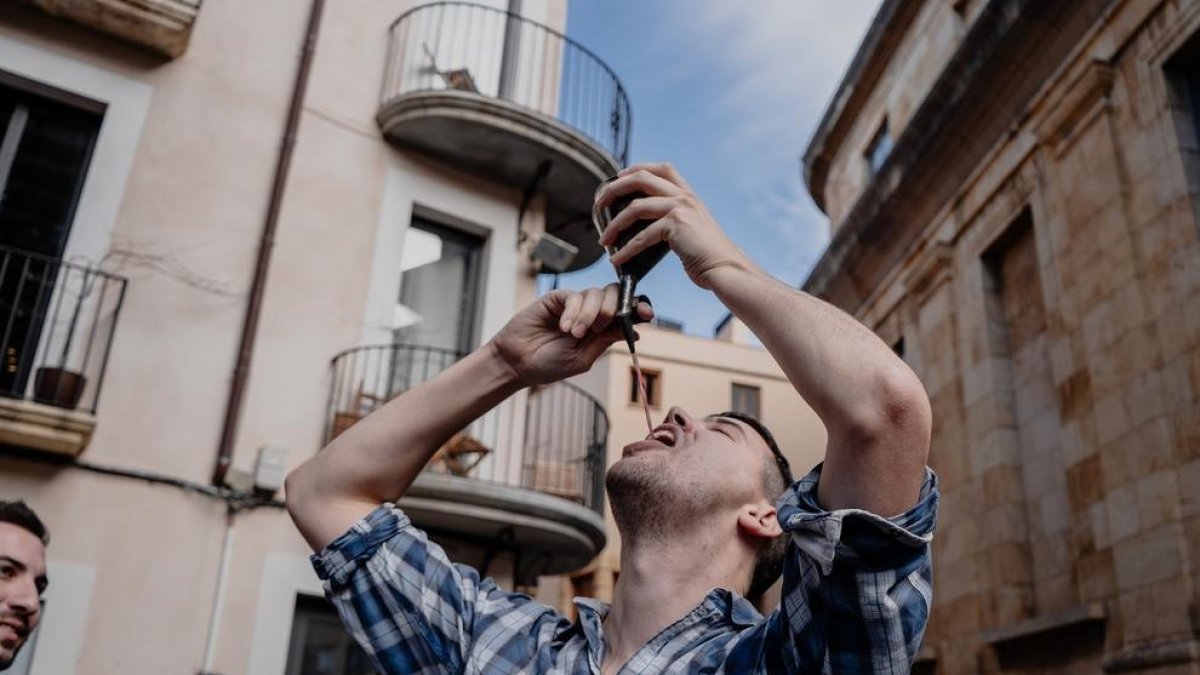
57,321
550,438
479,49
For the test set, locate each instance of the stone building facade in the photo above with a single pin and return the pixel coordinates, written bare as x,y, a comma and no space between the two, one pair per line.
1014,190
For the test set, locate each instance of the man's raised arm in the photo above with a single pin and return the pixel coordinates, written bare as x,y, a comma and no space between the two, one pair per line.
873,406
377,459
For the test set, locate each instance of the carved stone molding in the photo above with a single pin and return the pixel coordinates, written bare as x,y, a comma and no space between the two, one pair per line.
1063,116
162,26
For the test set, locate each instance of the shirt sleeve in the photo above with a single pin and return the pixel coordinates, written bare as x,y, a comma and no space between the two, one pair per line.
402,599
857,587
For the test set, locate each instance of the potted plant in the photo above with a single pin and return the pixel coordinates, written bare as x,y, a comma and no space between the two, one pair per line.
57,385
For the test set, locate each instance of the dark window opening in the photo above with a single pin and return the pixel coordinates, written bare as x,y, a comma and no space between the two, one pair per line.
45,148
1182,73
320,644
746,399
653,387
879,148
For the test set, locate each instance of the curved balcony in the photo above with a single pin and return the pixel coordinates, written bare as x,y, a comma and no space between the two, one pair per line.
499,95
528,476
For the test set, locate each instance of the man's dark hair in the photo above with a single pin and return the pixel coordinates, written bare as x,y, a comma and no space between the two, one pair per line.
776,478
18,513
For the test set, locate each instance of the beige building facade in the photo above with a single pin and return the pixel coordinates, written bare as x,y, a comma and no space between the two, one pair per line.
1013,189
703,376
230,230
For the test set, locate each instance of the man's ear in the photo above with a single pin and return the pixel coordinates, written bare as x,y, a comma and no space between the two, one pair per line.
760,520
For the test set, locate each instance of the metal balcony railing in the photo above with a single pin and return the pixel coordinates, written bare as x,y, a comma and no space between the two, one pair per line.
549,438
494,53
58,320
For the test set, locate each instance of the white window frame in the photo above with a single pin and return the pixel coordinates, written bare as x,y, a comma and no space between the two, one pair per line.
127,102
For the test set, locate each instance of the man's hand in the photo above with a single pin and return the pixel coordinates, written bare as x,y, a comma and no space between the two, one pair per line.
560,335
680,219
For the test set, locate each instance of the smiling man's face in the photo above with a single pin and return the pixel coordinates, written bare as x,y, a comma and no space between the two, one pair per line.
686,468
22,580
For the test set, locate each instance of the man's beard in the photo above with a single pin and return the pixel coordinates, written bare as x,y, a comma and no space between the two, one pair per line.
23,637
652,499
6,661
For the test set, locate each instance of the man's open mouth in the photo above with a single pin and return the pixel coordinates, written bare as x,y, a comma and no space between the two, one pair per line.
665,436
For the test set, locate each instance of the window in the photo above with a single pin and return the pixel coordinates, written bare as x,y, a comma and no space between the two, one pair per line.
746,399
320,645
439,286
879,148
667,324
1193,90
653,386
45,148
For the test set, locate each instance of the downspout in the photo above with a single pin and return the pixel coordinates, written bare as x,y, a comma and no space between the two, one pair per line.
241,369
214,617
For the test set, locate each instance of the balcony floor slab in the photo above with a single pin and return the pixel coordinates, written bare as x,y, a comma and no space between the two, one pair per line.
507,142
568,534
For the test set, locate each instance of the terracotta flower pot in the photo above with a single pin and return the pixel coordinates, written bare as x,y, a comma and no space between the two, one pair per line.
58,387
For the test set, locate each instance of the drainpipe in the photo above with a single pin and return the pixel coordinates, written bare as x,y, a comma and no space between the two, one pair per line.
218,604
241,369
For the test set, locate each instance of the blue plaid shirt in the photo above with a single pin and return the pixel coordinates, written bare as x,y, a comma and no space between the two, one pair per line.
856,597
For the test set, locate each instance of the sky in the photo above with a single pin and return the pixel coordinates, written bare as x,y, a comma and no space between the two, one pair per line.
730,92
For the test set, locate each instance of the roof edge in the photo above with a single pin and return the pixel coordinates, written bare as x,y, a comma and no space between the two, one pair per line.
893,16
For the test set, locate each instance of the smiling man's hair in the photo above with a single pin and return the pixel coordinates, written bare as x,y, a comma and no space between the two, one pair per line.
776,477
18,513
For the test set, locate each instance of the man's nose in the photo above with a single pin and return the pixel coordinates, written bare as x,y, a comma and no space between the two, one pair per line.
677,415
24,599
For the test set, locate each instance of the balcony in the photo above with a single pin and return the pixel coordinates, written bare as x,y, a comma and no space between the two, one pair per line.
498,95
527,477
58,320
161,26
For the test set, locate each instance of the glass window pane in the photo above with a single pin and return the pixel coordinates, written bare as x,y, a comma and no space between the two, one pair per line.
44,181
879,148
441,289
320,645
746,399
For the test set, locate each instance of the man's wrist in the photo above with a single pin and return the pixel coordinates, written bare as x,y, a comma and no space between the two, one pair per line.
731,275
500,369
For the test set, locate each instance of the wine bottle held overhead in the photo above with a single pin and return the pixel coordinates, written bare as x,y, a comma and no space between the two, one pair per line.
633,270
629,274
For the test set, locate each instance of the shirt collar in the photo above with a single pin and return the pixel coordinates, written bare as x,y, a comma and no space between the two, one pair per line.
736,609
591,614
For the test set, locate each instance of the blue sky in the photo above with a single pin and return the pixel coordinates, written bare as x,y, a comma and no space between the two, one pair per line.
729,92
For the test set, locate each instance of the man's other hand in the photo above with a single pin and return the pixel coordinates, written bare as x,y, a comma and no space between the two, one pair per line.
679,218
561,334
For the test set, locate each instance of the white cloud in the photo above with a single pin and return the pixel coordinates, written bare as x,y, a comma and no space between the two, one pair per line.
780,62
782,58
